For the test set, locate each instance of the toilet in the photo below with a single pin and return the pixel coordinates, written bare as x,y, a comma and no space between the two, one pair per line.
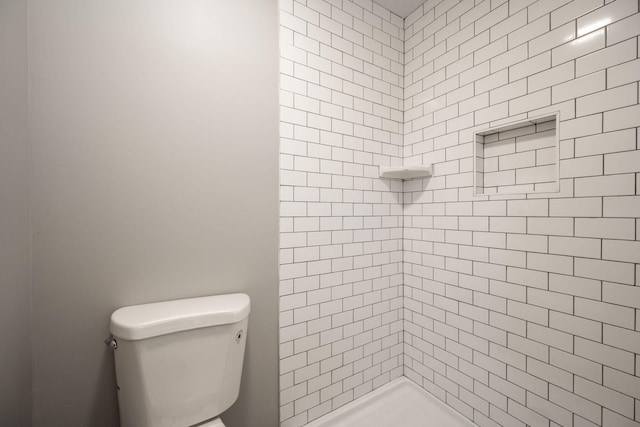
179,363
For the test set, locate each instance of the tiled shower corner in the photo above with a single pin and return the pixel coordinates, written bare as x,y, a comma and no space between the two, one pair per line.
515,309
341,227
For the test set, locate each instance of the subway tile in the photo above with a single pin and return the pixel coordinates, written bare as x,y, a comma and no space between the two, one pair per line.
550,373
494,112
582,126
498,149
621,338
508,290
551,300
610,142
474,74
490,271
320,6
536,174
551,263
605,15
492,81
605,270
603,312
579,87
550,226
604,396
531,66
624,162
576,207
524,33
508,225
552,39
621,294
609,185
621,250
475,223
507,323
493,208
551,77
547,156
552,337
523,413
342,16
481,49
611,99
573,10
506,92
613,419
622,118
579,47
459,36
527,242
549,409
621,206
507,388
537,279
508,58
305,43
578,286
623,29
508,356
509,25
623,73
530,348
604,354
544,7
533,100
581,167
576,404
507,257
292,22
495,240
575,325
474,253
606,58
491,19
586,248
528,207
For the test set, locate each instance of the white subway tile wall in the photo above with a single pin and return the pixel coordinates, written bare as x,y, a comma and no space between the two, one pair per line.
342,65
533,319
513,309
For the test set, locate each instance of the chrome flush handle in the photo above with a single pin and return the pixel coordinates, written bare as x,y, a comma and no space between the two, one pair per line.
111,342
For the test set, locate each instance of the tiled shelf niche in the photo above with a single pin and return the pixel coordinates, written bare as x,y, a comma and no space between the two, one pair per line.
518,158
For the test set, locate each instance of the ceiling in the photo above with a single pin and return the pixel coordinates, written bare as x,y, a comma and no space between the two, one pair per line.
402,8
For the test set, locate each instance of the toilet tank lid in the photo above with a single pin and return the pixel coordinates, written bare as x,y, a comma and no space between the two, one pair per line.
138,322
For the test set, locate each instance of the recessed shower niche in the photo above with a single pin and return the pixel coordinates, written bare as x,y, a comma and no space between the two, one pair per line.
517,158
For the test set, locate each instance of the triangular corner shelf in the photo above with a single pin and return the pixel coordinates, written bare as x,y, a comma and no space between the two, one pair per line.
406,172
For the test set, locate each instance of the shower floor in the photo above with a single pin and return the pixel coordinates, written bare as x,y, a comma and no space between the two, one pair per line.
399,403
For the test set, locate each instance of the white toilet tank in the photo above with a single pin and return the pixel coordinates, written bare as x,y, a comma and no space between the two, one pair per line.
179,363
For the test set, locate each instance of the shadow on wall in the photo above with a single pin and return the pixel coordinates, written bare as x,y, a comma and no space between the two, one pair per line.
105,391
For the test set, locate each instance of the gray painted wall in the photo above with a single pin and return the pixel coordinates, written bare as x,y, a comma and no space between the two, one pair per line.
15,356
155,176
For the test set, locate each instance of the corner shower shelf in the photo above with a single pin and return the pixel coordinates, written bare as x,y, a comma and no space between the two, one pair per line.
406,172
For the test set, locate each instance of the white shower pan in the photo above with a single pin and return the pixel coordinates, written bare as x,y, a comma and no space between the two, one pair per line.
398,403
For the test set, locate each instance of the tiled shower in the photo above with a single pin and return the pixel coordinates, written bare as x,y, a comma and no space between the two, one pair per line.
515,309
